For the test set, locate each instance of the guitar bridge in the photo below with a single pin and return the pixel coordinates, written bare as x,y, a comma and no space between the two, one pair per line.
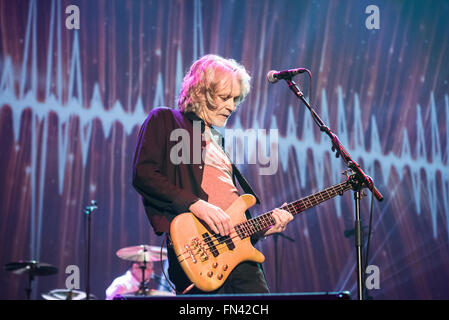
192,256
197,249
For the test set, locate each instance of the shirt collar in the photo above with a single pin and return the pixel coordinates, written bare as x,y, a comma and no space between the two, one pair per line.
192,116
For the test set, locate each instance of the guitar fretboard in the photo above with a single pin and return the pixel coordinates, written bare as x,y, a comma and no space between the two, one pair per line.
266,220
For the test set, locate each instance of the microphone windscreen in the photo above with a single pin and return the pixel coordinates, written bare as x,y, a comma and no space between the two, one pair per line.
270,76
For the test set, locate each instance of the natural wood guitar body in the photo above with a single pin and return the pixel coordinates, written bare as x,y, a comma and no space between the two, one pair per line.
206,258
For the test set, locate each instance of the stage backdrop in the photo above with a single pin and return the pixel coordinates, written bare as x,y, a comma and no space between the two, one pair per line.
72,102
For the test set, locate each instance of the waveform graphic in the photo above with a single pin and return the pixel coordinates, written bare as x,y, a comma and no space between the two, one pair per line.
405,159
75,111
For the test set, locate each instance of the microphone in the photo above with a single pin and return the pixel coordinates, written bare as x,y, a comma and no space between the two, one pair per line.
273,76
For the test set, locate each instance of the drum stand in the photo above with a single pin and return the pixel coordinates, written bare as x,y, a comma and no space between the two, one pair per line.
142,288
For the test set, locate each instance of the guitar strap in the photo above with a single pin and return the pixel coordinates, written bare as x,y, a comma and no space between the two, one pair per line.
243,183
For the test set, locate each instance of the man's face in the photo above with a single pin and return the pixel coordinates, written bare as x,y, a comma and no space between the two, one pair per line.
225,101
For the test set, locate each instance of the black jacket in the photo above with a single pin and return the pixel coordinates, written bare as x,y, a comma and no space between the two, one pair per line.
169,189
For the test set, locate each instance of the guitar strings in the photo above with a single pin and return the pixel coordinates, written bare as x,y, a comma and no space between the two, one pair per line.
224,241
297,207
218,248
252,228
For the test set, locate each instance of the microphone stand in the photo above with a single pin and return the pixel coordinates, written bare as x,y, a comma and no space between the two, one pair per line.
88,211
361,180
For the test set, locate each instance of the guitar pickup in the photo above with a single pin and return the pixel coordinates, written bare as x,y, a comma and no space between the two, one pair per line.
228,241
210,243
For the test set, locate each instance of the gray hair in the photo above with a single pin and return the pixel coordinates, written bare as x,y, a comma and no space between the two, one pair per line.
204,78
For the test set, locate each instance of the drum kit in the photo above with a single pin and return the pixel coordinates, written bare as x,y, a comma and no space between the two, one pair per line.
141,253
144,254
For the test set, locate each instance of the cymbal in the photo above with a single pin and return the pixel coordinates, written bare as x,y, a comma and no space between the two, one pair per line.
64,294
142,253
31,267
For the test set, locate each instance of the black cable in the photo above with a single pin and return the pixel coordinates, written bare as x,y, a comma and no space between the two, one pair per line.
165,240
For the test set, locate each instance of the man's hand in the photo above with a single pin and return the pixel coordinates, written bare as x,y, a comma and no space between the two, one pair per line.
282,218
216,219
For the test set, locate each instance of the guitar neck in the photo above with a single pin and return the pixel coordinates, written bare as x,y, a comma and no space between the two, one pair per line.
266,220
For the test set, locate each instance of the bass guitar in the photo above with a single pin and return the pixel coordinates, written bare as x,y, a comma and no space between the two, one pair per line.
208,258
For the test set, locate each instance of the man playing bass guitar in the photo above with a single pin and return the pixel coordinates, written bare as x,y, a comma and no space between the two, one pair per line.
202,179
